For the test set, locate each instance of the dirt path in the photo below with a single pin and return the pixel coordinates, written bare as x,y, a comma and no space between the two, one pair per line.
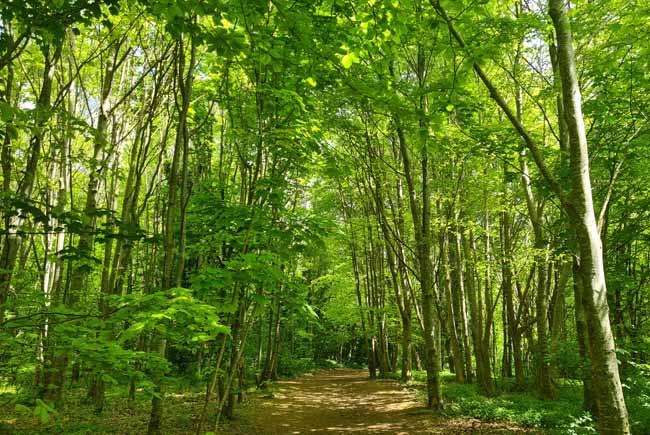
345,402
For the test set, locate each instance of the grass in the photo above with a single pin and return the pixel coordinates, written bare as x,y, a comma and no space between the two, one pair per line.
561,416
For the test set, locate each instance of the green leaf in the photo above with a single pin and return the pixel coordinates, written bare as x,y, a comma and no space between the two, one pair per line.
310,310
22,408
6,112
349,59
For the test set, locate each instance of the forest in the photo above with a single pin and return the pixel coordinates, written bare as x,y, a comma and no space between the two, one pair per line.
324,216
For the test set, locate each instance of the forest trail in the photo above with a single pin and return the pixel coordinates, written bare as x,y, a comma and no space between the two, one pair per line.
345,401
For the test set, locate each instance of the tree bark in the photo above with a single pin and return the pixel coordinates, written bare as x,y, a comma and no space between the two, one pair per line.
12,238
612,412
543,381
172,269
613,418
421,224
451,308
588,393
421,217
514,333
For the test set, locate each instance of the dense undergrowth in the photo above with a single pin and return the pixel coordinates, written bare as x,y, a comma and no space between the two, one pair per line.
120,416
521,408
561,416
20,415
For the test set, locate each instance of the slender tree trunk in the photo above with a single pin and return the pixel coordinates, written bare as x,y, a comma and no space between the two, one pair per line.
422,230
481,352
422,223
172,251
53,370
268,374
452,329
509,299
404,308
364,326
12,238
462,320
488,329
543,380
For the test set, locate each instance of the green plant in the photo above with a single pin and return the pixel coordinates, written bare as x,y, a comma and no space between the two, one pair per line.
41,410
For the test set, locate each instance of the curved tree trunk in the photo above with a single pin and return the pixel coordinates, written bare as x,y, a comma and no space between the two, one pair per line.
612,412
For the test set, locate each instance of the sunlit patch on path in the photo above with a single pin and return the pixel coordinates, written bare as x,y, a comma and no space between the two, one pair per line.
347,402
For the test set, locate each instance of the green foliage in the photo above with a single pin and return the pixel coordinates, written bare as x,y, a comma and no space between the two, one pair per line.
41,410
521,408
48,20
291,190
582,425
567,361
636,384
292,366
176,314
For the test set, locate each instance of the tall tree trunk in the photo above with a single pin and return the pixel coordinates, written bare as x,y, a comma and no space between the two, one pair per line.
422,225
172,251
357,288
613,418
509,298
612,412
421,217
588,392
483,376
53,370
452,327
455,252
85,245
490,306
12,238
543,381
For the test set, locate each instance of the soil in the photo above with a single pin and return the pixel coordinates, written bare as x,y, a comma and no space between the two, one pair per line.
347,402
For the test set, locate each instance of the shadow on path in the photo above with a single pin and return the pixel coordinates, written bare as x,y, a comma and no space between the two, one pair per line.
347,402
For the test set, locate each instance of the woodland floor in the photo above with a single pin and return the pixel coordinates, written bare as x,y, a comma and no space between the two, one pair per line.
345,401
340,401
